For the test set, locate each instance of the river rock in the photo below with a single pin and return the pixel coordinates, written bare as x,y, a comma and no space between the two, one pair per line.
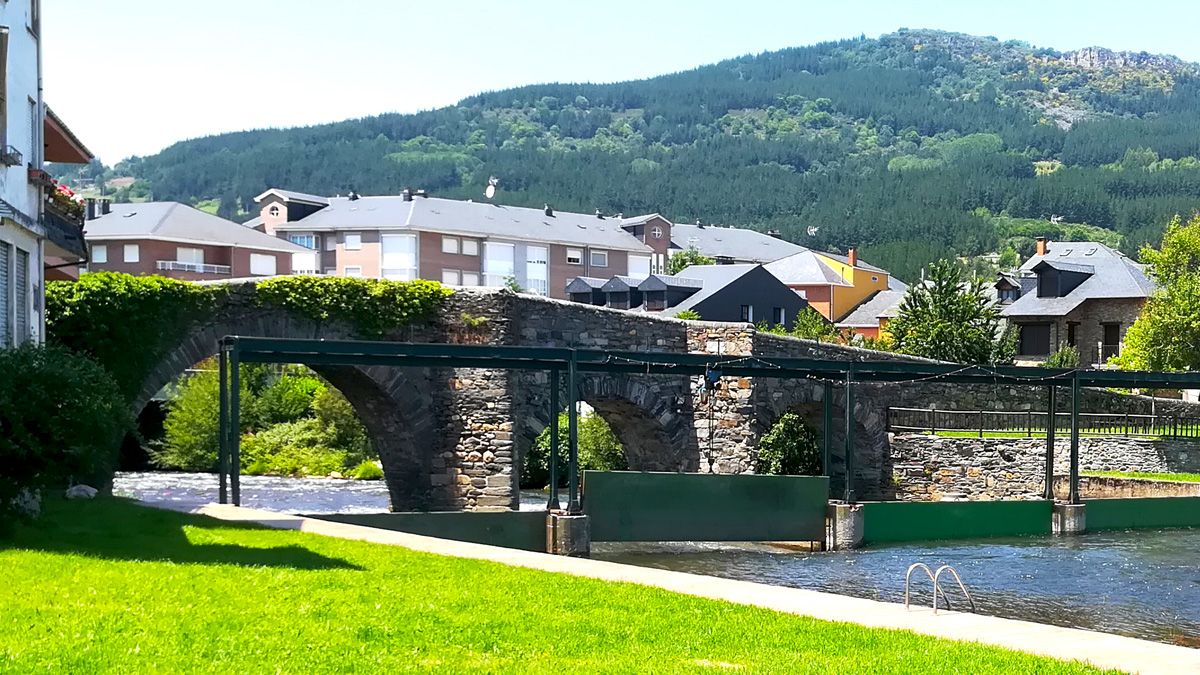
81,492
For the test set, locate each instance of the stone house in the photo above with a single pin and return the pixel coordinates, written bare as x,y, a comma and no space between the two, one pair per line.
1079,293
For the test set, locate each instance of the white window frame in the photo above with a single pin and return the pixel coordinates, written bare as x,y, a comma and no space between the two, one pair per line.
309,262
308,241
452,277
470,247
352,271
592,258
648,267
749,313
450,245
330,242
273,210
352,241
470,278
259,266
407,273
656,232
132,253
574,256
100,254
494,278
537,273
185,254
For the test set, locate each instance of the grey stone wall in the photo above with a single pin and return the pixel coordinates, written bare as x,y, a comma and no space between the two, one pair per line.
934,467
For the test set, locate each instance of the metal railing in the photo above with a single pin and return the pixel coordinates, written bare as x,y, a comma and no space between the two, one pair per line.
1030,423
935,577
201,268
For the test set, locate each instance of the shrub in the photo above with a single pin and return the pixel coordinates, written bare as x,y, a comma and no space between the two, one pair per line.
299,448
191,427
599,450
367,470
790,448
373,306
287,399
688,315
342,426
1067,356
62,417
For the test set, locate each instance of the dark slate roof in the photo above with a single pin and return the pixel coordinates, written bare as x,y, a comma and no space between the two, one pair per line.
469,218
1066,266
662,282
712,279
884,304
1112,276
585,284
1009,279
293,196
731,242
172,221
620,283
804,268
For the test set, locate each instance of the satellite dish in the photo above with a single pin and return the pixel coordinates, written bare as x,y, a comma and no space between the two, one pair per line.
490,190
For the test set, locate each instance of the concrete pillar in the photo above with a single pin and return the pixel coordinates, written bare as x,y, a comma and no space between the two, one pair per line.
845,527
568,535
1070,518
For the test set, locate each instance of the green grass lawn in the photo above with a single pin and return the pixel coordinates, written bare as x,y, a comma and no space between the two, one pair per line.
1181,477
1063,434
111,586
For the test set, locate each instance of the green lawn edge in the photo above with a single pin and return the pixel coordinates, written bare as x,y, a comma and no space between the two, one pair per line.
1146,475
110,586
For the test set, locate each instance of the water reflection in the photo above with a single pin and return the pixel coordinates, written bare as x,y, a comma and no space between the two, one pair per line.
1142,584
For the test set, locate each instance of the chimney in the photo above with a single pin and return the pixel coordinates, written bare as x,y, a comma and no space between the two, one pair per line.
599,215
852,257
775,233
421,193
548,211
105,207
406,195
89,209
353,196
1041,246
699,224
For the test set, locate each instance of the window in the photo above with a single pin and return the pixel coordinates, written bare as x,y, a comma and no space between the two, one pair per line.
21,286
99,253
639,266
262,264
451,277
599,259
189,255
398,256
449,245
132,254
305,240
536,269
1035,339
330,270
470,247
470,278
274,210
352,271
35,123
747,313
656,232
1071,332
5,292
777,317
497,263
331,242
574,256
352,241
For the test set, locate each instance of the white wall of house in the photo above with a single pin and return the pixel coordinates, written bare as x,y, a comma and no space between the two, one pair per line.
20,215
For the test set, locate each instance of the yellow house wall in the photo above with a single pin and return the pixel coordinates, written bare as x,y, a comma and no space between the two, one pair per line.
862,287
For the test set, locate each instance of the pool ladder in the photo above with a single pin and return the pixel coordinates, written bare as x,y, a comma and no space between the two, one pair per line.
935,577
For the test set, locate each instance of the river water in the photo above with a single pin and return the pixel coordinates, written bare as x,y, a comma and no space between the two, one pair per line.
1143,584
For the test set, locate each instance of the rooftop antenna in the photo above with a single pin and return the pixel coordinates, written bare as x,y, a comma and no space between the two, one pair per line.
490,190
812,230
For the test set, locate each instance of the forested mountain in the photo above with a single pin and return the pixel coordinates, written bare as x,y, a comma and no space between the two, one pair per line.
912,146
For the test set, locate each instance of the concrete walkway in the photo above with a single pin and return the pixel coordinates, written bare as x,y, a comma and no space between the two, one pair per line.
1100,649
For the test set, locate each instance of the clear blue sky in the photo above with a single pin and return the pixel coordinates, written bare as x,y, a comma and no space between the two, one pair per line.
133,76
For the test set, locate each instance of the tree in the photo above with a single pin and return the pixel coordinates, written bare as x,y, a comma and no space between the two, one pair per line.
686,258
599,450
790,448
808,324
191,425
947,317
1166,336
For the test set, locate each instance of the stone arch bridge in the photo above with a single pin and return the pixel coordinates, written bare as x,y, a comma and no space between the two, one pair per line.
454,438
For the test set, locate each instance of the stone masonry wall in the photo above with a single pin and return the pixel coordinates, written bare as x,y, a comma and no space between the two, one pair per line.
934,467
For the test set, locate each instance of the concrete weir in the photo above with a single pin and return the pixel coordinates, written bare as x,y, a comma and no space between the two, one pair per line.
1099,649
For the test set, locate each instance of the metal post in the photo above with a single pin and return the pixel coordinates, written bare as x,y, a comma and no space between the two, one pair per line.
1050,405
848,497
1074,496
222,425
827,444
555,385
235,427
981,424
572,437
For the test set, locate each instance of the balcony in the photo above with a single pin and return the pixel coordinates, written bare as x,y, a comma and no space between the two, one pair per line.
198,268
64,232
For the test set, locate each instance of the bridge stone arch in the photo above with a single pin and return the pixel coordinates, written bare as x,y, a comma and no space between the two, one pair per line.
402,409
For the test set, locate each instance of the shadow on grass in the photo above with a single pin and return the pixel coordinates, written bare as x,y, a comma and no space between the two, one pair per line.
117,529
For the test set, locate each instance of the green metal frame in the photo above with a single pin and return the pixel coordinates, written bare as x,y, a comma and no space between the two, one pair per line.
235,350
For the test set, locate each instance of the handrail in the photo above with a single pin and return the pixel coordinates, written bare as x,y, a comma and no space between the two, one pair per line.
932,577
961,586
